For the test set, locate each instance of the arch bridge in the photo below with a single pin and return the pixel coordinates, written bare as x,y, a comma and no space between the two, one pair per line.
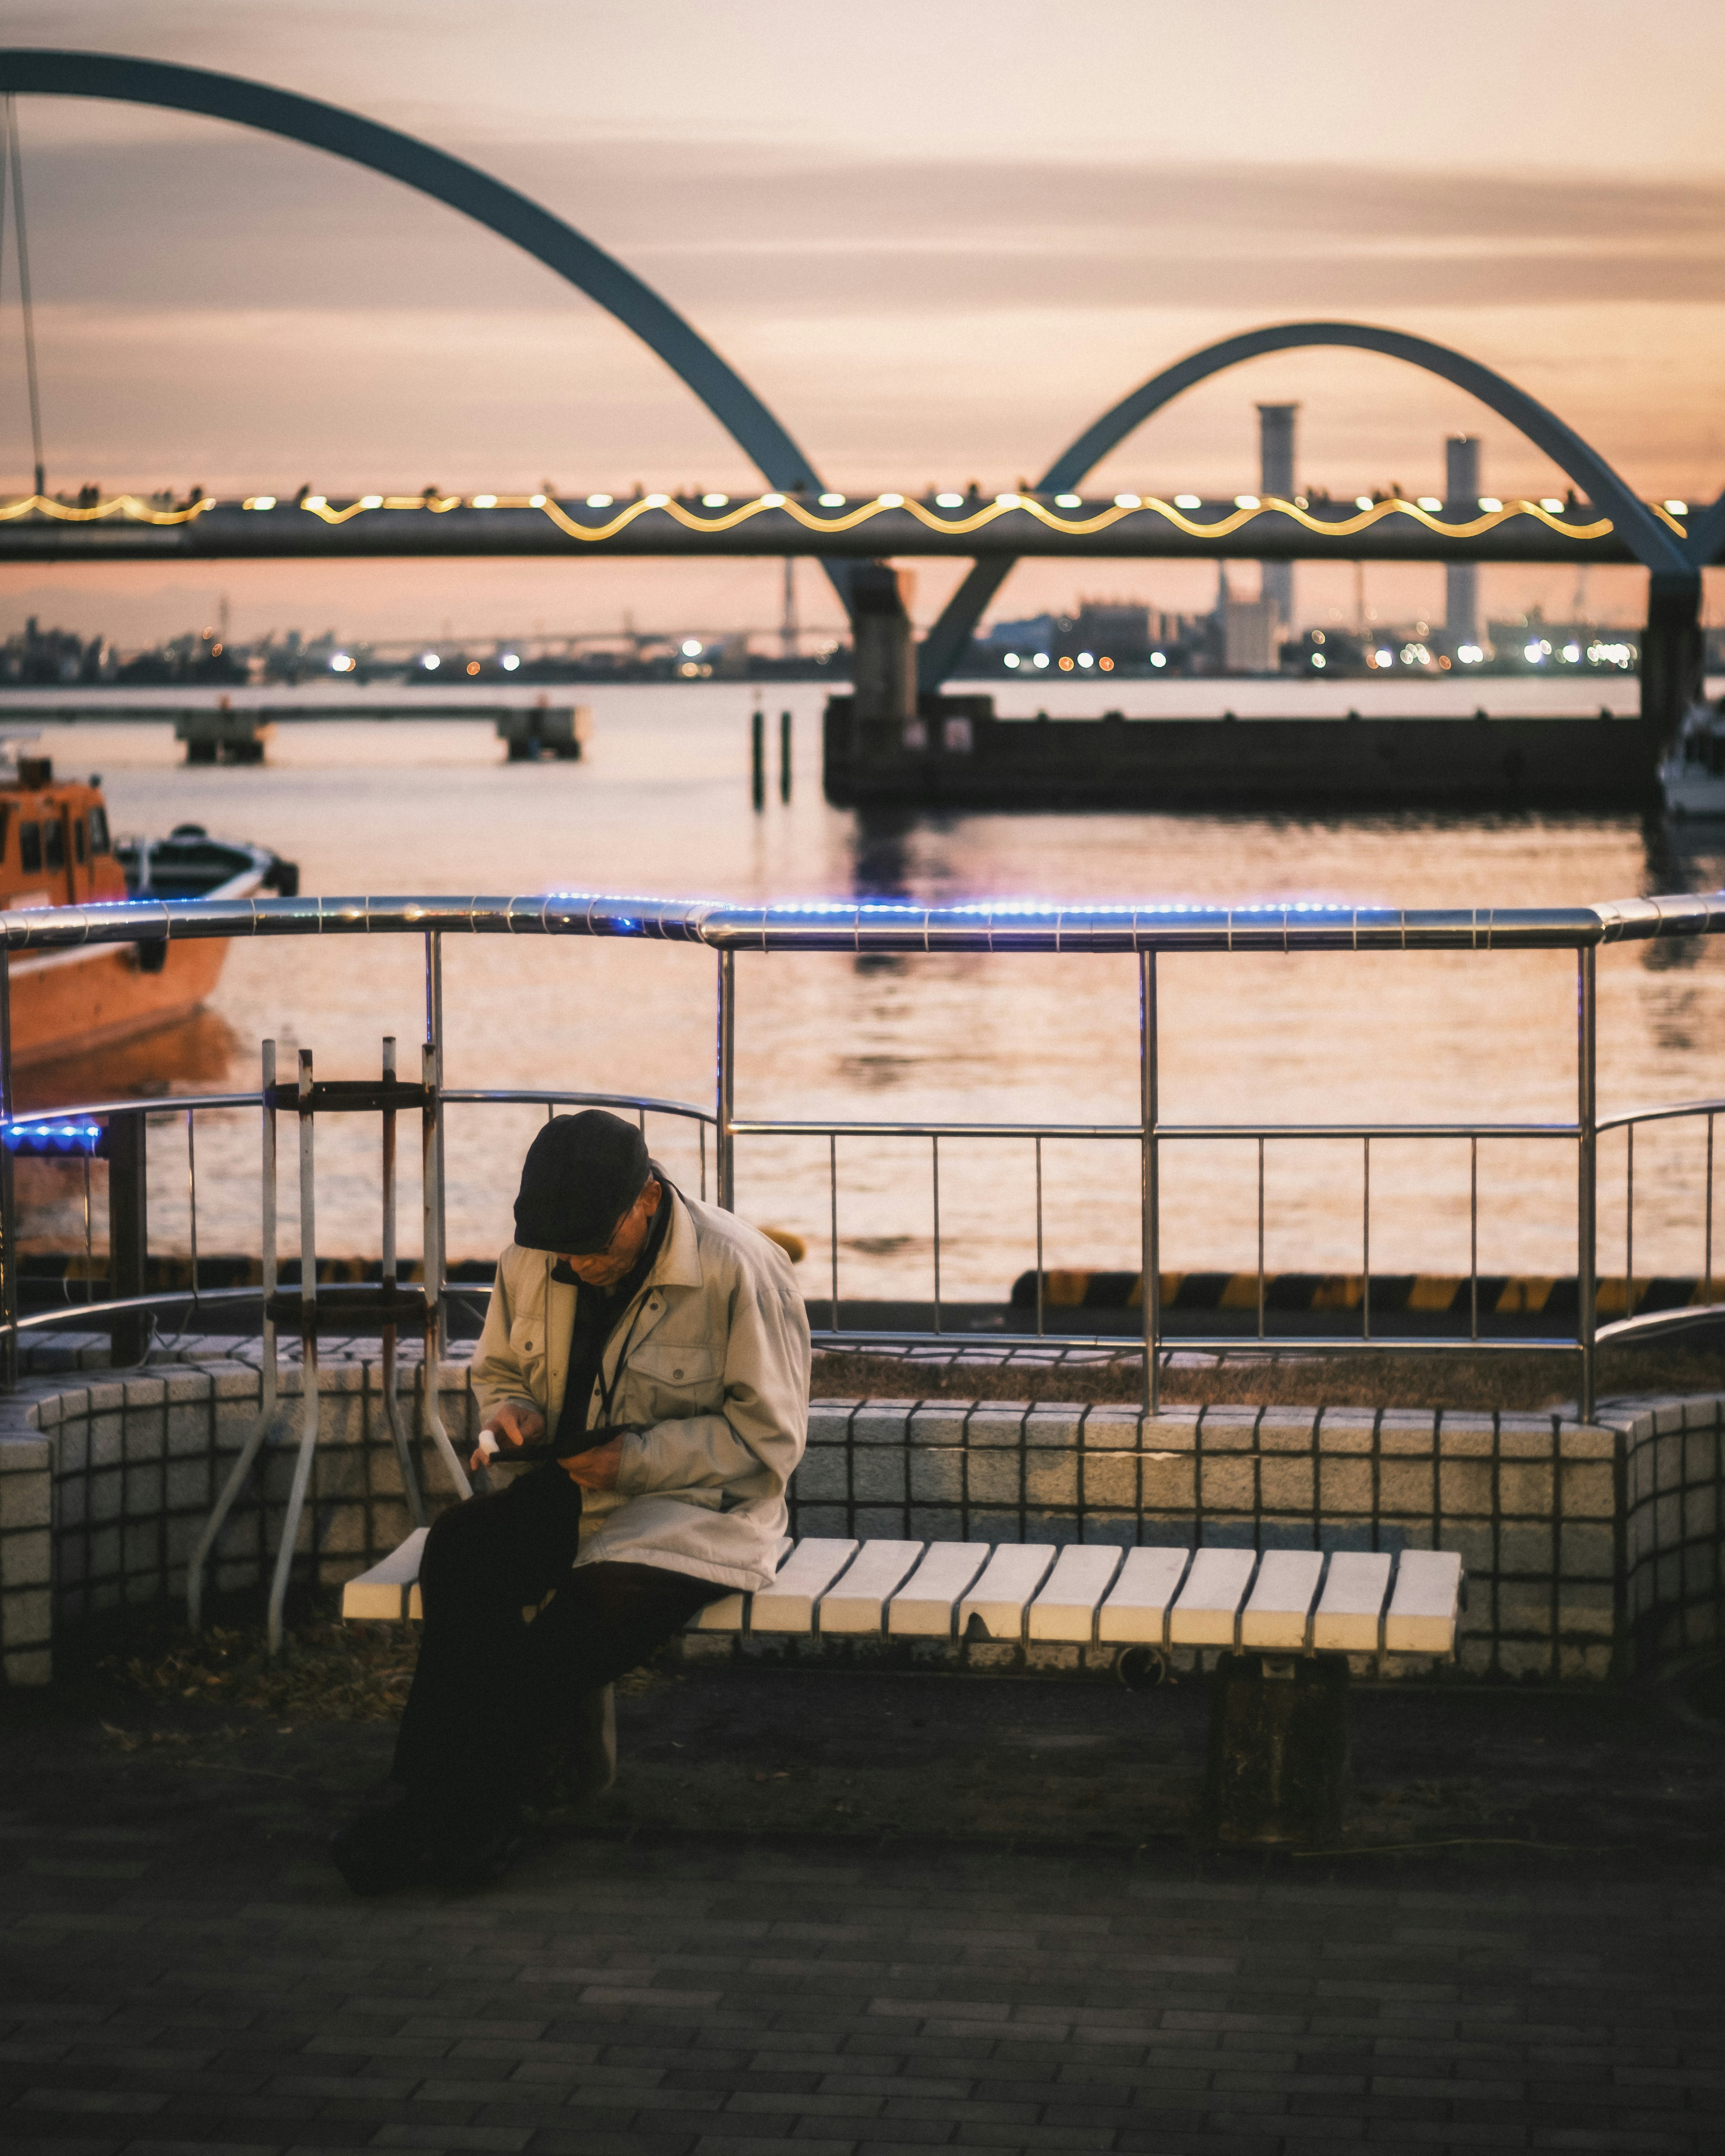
1673,553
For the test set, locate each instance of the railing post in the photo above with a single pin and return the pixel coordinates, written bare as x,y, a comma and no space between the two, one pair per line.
9,1210
128,1235
1150,1191
725,1144
1587,1178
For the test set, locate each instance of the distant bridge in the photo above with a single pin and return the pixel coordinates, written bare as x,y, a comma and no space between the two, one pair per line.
1617,527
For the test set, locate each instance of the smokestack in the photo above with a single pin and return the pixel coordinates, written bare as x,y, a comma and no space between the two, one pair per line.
1275,477
1462,497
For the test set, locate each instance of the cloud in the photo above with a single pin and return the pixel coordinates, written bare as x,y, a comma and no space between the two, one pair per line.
247,221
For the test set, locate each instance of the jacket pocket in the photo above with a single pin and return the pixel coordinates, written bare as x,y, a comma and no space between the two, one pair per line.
665,1383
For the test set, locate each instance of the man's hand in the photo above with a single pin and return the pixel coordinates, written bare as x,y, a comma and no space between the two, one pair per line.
514,1426
598,1469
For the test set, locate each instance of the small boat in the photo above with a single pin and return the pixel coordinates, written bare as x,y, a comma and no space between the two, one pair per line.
1691,775
56,849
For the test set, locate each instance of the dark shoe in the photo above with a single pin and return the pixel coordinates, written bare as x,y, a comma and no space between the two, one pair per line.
382,1852
475,1853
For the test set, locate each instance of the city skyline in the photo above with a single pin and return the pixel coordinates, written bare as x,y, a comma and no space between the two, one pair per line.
924,280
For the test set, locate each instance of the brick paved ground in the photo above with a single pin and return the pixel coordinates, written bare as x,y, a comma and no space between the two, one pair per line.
183,1973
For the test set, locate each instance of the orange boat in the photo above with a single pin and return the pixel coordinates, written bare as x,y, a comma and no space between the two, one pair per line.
56,849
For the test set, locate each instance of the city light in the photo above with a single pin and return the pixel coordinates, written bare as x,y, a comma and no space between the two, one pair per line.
1490,501
1159,659
371,501
1040,659
772,501
1066,666
1007,501
1430,501
1469,654
536,501
1552,505
832,502
691,648
658,501
1384,658
1622,655
485,501
599,501
340,663
1677,508
1011,660
949,501
316,501
890,500
1189,501
511,660
51,1137
1533,653
1362,501
1106,665
1086,659
1319,661
261,501
716,501
430,661
1069,501
1572,654
1128,501
1246,501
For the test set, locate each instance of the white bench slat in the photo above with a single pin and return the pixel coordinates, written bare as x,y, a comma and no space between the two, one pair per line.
730,1613
806,1574
859,1602
1209,1604
1279,1606
1351,1606
1066,1607
1137,1610
926,1607
1425,1606
1001,1595
390,1590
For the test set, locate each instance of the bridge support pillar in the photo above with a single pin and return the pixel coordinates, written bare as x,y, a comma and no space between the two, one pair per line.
883,691
1673,651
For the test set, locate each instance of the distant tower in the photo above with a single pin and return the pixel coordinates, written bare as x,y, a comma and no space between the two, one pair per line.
1275,477
1461,579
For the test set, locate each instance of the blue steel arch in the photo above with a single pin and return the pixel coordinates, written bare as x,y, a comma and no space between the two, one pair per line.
461,187
1651,541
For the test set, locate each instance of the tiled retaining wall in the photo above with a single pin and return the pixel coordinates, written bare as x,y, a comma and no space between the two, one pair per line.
1592,1550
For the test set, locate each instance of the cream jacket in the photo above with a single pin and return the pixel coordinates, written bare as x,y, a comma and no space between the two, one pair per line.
716,1378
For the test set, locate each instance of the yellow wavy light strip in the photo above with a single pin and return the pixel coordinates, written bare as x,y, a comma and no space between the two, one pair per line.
131,507
134,509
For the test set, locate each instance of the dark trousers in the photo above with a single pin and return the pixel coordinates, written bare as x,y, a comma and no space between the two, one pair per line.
490,1689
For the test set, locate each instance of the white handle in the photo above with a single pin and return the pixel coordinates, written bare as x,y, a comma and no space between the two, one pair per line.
488,1443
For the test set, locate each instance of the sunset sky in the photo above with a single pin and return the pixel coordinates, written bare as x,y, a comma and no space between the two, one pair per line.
937,239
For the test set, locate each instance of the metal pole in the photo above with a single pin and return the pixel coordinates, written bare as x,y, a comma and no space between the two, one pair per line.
267,1386
309,1401
1150,1191
725,1144
434,1041
431,1173
784,749
9,1210
1587,1181
392,1404
757,758
128,1235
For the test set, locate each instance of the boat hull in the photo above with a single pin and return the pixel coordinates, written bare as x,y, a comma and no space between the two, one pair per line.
65,1002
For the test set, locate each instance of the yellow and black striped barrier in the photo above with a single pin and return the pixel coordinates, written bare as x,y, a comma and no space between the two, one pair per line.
1432,1295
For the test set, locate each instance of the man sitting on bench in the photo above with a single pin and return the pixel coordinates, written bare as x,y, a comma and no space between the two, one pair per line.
644,1364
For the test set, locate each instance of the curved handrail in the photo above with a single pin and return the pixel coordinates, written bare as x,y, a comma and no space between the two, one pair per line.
461,187
852,925
1661,550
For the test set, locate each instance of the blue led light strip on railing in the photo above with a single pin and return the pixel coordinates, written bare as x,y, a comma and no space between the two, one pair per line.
51,1140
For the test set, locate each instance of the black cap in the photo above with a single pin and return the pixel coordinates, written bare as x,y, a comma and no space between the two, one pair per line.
582,1174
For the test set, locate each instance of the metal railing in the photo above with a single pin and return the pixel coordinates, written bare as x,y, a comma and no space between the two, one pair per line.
857,928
